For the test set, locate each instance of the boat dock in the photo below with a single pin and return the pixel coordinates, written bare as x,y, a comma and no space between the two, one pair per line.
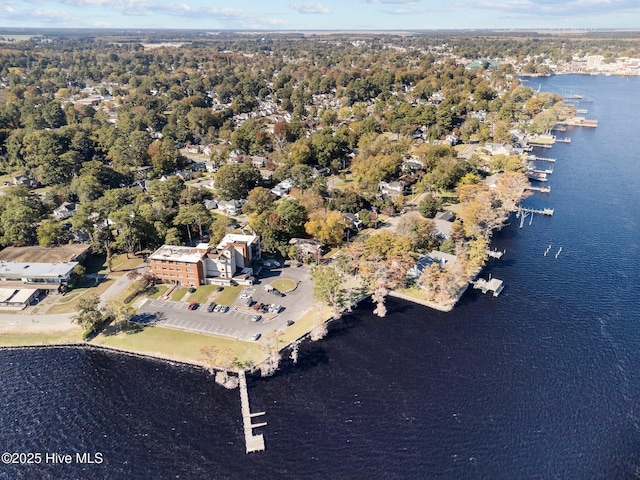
581,122
547,171
254,443
495,253
539,189
535,158
563,140
493,285
538,177
544,211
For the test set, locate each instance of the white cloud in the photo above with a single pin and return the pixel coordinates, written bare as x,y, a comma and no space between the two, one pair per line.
312,8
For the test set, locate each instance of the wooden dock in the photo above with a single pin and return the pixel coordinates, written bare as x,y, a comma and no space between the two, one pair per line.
493,285
544,211
535,158
254,443
539,189
547,171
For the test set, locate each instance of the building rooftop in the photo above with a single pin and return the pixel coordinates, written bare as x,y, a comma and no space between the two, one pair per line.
35,254
33,270
236,238
177,254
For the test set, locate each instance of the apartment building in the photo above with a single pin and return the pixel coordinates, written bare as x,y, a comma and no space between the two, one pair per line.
232,259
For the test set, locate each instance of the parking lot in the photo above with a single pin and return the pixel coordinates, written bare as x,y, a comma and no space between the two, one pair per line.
237,322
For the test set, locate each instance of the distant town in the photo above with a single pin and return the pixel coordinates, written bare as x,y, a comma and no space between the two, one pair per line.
214,199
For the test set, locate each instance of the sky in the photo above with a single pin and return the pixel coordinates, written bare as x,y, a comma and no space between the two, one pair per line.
321,15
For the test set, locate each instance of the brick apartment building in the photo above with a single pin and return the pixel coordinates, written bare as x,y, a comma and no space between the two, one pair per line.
232,259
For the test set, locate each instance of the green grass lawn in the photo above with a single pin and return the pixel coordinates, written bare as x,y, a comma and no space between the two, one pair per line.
178,293
12,339
228,295
284,284
202,293
158,291
176,344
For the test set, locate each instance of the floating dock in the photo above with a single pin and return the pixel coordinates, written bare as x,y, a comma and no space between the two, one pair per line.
494,285
254,443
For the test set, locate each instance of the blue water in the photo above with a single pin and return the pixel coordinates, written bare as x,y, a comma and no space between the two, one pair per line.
542,382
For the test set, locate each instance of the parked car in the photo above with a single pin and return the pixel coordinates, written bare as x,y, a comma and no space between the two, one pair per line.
217,308
193,306
255,336
224,309
191,289
256,318
211,306
290,322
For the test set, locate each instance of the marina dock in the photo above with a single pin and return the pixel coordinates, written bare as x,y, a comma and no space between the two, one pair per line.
493,285
254,443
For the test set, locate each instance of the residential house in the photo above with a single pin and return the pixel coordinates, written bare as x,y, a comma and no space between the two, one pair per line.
210,204
66,210
231,207
307,248
26,181
258,162
352,221
435,256
391,189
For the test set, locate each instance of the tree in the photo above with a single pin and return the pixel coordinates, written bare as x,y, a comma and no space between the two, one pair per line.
327,286
259,200
50,232
327,227
88,316
511,190
120,311
235,181
429,206
18,222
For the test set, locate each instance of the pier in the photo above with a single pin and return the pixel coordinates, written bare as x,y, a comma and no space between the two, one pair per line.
254,443
493,285
544,211
547,171
539,189
535,158
581,122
